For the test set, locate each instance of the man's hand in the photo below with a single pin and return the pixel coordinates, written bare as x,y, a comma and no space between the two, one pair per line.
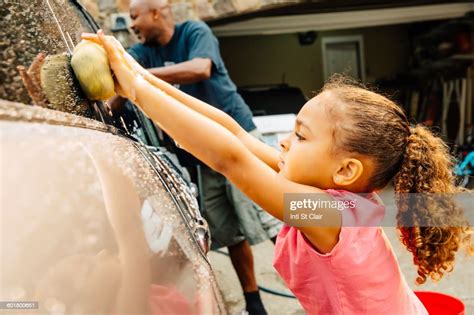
116,103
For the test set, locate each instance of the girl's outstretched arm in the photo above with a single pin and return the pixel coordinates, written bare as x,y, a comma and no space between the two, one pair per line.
260,149
263,151
218,147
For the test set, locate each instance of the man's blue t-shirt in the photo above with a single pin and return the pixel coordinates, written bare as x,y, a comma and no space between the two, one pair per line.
193,39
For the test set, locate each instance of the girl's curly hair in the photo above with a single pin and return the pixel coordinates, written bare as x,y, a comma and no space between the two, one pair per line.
432,226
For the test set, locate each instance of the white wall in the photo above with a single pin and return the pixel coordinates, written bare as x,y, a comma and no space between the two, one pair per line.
267,59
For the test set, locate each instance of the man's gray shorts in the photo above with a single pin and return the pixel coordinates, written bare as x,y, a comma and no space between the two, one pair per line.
231,216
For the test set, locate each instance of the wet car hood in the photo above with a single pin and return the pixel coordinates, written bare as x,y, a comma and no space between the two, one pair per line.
54,218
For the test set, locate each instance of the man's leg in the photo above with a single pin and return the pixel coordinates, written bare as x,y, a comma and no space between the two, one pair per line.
242,259
226,231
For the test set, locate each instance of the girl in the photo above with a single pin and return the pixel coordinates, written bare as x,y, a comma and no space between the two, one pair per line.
347,140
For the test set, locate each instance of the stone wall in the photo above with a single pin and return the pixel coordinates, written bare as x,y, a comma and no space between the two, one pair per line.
103,11
185,9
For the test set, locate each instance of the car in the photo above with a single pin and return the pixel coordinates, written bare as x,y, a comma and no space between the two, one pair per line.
93,219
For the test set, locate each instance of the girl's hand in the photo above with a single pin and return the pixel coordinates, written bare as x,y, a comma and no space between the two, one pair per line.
132,62
128,73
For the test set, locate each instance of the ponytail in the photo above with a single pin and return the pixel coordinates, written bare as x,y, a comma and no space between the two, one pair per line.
432,229
431,224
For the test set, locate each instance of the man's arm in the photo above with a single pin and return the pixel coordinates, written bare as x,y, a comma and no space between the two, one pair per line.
191,71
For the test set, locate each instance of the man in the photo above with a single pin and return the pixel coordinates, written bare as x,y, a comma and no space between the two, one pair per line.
187,55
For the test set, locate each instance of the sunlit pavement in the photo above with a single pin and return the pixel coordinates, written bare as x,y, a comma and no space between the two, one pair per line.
266,276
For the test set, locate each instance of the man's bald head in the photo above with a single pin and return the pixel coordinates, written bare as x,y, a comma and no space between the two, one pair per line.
152,20
148,4
161,6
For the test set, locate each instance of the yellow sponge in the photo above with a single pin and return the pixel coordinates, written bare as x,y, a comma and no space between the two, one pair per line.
91,67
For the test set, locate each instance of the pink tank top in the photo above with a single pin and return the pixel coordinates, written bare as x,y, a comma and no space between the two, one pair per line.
359,276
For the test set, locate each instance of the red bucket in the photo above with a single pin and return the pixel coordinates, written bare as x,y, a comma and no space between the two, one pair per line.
440,304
